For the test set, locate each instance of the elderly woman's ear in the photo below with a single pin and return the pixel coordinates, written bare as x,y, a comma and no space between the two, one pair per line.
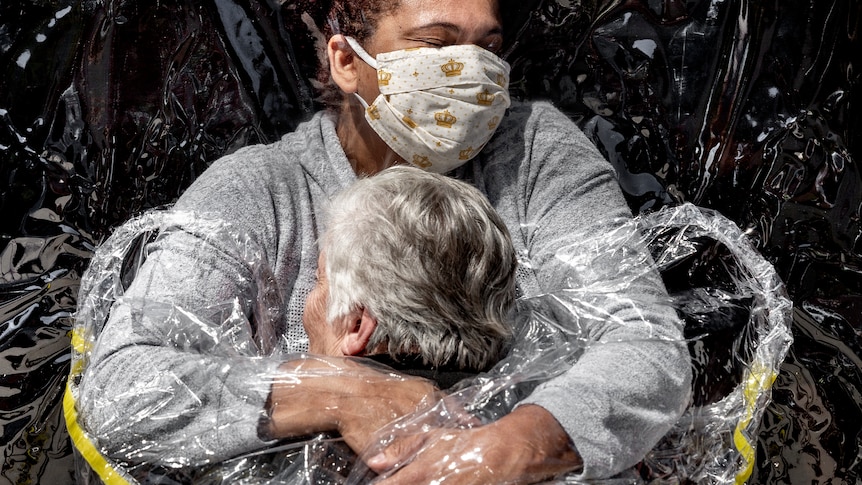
360,325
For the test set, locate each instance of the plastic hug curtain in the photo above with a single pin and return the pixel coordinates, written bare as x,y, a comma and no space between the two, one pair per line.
110,108
712,443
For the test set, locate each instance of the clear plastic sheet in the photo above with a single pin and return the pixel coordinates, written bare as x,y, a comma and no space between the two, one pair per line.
711,443
108,108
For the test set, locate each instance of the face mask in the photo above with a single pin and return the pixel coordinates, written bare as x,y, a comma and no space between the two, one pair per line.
437,107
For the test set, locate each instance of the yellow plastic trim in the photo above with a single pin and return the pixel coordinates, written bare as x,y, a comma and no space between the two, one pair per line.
88,450
759,380
79,343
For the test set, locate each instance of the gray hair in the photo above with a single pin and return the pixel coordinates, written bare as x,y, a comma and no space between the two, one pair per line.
428,257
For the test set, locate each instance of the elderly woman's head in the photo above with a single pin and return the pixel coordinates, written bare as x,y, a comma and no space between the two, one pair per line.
426,260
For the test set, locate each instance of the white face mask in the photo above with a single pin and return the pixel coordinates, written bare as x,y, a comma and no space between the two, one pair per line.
437,107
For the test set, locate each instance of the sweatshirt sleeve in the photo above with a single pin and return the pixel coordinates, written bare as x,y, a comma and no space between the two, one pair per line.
176,377
633,381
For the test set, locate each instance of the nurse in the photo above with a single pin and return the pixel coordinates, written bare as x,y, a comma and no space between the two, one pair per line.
418,83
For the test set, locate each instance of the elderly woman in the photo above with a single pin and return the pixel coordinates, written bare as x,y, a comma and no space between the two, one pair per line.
421,84
433,288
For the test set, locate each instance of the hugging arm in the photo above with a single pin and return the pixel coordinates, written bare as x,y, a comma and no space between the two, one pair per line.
631,382
175,380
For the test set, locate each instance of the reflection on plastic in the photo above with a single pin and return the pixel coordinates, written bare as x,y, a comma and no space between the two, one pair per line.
108,108
712,443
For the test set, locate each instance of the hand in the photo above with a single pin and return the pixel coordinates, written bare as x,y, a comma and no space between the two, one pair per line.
374,399
314,394
526,446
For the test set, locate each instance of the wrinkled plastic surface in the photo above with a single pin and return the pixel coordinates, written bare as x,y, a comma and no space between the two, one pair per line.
738,321
750,108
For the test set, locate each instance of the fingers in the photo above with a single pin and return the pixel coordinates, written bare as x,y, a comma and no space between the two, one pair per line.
406,476
507,451
444,457
363,419
397,454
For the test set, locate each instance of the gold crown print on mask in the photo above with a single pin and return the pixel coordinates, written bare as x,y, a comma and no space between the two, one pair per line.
437,107
452,68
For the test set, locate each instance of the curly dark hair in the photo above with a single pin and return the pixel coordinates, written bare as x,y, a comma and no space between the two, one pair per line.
357,18
354,18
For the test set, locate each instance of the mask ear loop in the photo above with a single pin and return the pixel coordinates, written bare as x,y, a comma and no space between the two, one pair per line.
365,57
361,52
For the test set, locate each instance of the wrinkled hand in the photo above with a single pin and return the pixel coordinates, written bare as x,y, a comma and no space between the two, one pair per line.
377,401
316,394
526,446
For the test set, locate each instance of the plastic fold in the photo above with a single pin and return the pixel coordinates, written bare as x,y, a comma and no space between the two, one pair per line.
736,329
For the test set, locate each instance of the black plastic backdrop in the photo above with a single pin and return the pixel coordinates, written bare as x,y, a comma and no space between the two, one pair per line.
108,108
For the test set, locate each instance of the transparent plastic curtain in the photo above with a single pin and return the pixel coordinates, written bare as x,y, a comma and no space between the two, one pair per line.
712,443
108,108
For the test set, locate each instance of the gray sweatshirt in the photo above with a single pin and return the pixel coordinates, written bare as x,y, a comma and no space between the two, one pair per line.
149,398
